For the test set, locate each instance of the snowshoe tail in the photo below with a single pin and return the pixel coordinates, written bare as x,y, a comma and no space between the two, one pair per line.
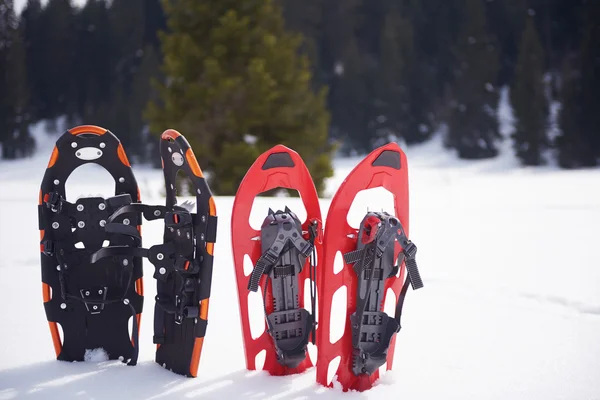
283,259
183,262
375,259
93,305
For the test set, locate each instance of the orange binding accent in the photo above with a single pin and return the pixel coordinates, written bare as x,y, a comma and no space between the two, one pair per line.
81,129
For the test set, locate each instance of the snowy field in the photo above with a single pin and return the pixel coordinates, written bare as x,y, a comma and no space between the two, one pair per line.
510,308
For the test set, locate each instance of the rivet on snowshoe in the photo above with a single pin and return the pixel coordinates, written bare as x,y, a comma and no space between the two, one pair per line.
79,207
160,256
156,213
126,301
102,145
63,306
126,221
81,224
125,262
162,271
56,181
55,225
121,179
73,144
102,223
101,206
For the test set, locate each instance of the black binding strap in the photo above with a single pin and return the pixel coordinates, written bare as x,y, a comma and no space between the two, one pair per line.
372,329
284,236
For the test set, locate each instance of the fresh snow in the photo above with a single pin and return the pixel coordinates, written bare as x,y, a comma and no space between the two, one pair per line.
510,307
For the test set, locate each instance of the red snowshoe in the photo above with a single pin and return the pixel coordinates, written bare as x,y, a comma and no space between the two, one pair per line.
376,257
283,253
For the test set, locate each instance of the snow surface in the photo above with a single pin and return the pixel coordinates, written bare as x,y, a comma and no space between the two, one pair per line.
510,307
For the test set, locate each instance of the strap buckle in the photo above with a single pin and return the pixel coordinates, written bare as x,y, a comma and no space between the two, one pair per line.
48,247
54,202
410,250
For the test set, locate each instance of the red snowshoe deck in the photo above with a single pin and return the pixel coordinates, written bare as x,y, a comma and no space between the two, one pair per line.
384,167
279,167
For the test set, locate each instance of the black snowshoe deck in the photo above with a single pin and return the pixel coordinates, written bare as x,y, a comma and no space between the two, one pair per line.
91,302
183,263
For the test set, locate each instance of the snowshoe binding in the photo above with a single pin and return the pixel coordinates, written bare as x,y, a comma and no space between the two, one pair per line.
92,303
284,254
373,263
183,263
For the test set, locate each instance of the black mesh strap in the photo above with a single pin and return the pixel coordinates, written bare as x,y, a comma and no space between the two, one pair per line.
266,260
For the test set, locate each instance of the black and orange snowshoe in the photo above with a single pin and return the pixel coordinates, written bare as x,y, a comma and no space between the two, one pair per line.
92,303
183,263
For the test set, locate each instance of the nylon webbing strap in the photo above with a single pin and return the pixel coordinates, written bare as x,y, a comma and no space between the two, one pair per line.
135,334
413,277
119,251
127,230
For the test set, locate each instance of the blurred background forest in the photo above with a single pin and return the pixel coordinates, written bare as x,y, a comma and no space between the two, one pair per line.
237,76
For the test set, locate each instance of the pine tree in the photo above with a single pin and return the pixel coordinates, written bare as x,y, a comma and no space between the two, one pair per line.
235,86
345,73
528,99
590,75
96,53
392,92
473,126
7,108
349,101
573,151
578,144
33,41
58,90
24,144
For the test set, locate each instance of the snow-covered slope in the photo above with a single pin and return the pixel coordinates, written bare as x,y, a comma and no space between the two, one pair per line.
510,308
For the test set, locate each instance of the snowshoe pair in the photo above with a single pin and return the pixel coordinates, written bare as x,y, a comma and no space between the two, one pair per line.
91,255
285,252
